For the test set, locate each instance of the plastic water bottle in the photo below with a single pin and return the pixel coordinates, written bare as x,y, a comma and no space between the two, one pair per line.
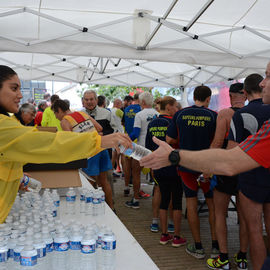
48,240
96,203
12,242
28,256
61,246
102,196
31,183
88,202
82,200
3,253
70,201
40,245
19,247
56,202
88,252
137,151
108,251
74,248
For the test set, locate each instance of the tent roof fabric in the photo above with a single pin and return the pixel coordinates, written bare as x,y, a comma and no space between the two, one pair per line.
144,43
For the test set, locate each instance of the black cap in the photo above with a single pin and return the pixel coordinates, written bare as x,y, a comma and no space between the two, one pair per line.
237,88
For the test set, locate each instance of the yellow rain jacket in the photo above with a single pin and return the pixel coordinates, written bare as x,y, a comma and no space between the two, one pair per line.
20,145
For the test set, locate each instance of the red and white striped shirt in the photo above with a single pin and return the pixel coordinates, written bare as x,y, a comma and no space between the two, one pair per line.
258,146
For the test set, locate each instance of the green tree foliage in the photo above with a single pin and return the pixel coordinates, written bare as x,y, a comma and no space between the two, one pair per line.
112,92
174,92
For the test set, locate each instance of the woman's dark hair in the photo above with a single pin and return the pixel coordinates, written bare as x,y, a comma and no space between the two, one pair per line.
59,103
101,101
54,98
5,74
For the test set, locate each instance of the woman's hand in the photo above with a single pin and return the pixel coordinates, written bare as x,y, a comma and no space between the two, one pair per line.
114,140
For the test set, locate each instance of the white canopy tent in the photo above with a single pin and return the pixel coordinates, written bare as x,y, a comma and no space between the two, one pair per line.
145,42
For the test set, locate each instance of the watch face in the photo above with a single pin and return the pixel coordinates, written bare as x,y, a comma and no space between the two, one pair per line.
174,157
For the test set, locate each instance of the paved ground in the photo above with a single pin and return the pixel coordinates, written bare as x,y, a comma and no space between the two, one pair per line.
167,257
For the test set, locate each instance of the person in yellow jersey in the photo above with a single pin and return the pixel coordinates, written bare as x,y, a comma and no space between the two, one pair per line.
20,144
48,116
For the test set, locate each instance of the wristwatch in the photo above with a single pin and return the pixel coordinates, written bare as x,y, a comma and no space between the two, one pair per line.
174,157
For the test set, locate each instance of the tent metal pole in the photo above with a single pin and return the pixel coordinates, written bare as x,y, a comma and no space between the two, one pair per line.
172,42
198,15
213,75
51,18
12,12
127,44
111,23
203,35
256,53
159,25
105,66
241,72
178,28
210,72
73,33
223,31
257,33
15,40
192,79
146,68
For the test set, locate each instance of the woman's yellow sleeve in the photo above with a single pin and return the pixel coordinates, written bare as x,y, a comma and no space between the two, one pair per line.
27,145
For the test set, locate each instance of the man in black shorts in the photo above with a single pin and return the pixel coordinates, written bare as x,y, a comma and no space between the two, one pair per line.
227,185
254,185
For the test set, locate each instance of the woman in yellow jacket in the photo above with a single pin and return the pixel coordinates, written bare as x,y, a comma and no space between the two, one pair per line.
20,144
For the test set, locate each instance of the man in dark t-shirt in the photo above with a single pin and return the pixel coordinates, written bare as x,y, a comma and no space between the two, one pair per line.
253,185
193,128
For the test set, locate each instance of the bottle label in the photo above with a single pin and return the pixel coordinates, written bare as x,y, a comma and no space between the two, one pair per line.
82,197
88,249
54,213
99,241
11,253
61,246
71,198
108,245
25,180
28,261
49,247
75,245
57,203
3,256
41,252
96,201
88,199
17,256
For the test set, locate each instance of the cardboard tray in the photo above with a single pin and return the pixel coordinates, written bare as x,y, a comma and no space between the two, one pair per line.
57,179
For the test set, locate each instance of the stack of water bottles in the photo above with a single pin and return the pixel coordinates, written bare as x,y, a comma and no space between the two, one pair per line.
33,237
92,202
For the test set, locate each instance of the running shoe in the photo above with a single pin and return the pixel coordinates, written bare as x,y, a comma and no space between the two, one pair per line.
178,241
214,253
165,238
144,195
170,228
218,264
133,204
197,253
115,175
154,227
241,263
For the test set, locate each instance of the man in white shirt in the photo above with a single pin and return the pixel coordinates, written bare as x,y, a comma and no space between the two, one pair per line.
142,119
